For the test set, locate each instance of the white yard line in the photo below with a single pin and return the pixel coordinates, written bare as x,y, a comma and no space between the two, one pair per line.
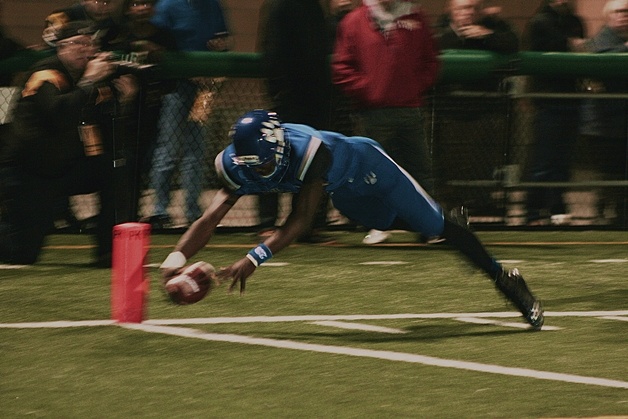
359,326
385,355
478,320
621,319
612,315
161,326
57,324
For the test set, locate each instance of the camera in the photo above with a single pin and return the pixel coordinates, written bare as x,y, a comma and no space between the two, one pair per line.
134,64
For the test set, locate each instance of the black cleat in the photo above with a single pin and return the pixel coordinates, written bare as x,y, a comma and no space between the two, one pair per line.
513,286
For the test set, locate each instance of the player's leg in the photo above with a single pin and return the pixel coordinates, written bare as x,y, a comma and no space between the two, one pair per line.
417,209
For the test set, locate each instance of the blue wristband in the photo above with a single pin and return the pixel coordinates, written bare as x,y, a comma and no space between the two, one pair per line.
260,254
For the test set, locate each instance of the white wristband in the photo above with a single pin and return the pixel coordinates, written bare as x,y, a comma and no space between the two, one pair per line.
174,260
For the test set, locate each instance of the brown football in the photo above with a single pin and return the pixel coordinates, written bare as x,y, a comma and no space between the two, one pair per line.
191,285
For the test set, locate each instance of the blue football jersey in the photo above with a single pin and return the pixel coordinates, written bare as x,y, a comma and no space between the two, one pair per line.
363,182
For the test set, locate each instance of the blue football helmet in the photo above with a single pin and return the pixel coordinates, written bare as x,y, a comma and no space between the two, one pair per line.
258,140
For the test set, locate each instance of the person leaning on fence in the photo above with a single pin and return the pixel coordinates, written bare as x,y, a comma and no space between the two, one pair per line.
471,123
554,28
385,60
60,144
342,119
198,25
364,183
604,122
295,50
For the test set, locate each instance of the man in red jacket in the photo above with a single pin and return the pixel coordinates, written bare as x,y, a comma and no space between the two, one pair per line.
385,59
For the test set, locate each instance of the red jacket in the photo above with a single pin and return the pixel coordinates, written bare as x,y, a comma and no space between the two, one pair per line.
380,71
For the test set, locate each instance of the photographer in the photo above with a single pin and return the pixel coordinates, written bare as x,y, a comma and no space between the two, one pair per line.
60,144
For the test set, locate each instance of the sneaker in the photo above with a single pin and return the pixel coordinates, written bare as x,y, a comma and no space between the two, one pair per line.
560,219
512,285
376,236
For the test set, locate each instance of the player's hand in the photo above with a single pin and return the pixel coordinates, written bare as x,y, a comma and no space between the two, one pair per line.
168,273
475,31
220,43
127,87
100,68
238,272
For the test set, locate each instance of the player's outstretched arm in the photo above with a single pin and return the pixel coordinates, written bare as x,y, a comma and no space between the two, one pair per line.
199,233
299,220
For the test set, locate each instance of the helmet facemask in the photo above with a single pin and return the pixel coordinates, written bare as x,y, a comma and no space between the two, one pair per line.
259,143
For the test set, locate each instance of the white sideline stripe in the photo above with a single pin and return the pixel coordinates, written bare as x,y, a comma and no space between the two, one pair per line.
360,326
477,320
313,318
57,324
386,355
621,319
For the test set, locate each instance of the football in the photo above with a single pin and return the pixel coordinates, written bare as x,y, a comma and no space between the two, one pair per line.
191,285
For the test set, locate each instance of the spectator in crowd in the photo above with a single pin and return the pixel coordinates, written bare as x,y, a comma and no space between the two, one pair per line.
471,28
554,28
364,183
338,9
295,49
386,59
59,144
198,25
142,36
341,114
472,124
145,44
105,15
604,122
8,47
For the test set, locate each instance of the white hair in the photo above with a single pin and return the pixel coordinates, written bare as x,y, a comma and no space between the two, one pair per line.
612,5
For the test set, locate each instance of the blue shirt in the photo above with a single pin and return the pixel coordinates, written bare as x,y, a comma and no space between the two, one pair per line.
193,22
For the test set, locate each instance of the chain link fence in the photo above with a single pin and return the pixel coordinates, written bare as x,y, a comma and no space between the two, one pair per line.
480,145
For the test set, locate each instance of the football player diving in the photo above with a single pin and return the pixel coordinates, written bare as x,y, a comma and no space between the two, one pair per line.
363,182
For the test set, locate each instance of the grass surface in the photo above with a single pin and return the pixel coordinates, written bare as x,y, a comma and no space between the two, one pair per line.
110,371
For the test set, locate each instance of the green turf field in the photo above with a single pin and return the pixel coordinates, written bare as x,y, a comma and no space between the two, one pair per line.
345,331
